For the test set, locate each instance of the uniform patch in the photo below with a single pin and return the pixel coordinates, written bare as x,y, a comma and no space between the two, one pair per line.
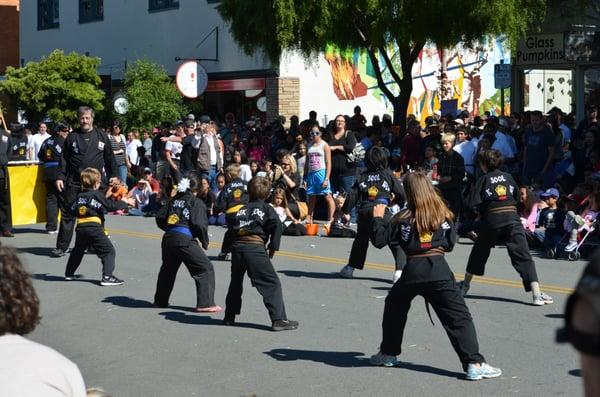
501,192
425,239
21,151
172,219
49,153
82,210
372,192
101,145
4,138
237,194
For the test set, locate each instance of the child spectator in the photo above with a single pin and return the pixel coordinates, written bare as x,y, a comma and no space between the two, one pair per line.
550,223
291,225
301,158
528,209
254,168
206,195
89,208
574,224
429,161
340,227
139,197
220,185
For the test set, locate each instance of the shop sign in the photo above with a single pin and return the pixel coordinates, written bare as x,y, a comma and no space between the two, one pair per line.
542,49
191,79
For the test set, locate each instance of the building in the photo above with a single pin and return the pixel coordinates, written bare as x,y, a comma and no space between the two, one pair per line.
9,46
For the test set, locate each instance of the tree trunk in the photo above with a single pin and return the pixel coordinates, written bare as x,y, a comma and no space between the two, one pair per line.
401,102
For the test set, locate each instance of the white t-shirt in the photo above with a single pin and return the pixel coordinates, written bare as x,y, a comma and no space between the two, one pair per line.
29,369
245,172
36,143
175,148
141,196
467,150
132,151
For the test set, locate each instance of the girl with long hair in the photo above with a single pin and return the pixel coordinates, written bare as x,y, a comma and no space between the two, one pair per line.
425,232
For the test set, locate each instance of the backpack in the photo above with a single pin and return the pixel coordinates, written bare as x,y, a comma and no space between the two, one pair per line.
358,153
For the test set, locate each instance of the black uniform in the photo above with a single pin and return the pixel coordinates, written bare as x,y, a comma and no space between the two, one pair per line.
5,212
89,208
426,273
255,225
230,200
18,143
185,223
372,188
494,196
80,151
50,154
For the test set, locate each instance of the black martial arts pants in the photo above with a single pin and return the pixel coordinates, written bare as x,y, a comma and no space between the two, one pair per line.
449,305
360,245
53,199
199,266
253,258
513,237
95,238
229,235
67,221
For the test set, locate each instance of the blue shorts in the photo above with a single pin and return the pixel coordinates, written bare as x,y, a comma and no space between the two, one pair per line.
314,183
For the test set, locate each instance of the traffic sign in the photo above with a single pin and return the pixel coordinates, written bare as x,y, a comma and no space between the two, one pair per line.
191,79
502,75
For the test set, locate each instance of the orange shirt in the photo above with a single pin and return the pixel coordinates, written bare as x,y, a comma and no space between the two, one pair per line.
119,193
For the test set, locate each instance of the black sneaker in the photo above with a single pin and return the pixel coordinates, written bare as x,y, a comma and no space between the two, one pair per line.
57,253
284,325
229,321
108,281
222,256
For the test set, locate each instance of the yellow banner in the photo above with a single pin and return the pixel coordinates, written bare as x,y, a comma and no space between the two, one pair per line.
27,194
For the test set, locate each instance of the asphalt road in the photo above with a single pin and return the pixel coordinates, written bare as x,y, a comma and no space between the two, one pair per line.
128,348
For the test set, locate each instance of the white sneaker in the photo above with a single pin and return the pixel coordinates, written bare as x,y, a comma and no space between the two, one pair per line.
397,275
483,371
571,246
347,271
542,299
383,360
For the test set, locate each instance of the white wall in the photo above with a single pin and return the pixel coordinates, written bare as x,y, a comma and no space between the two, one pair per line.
130,32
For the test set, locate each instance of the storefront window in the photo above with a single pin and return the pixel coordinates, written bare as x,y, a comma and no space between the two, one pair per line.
546,88
592,86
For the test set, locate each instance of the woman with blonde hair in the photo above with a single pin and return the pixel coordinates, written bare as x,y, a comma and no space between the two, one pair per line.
425,232
288,179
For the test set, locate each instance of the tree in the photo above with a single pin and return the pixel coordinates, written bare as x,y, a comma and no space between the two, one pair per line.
152,96
373,26
55,86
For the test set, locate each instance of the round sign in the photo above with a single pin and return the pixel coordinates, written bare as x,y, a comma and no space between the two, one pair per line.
261,104
191,79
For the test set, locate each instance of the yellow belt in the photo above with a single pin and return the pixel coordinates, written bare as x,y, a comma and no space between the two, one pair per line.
234,209
89,219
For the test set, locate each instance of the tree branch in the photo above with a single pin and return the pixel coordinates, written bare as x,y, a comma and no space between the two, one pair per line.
377,68
391,68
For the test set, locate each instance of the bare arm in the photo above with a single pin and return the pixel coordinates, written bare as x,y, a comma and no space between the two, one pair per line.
327,161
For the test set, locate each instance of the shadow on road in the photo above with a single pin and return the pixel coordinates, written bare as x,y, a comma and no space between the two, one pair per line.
350,359
200,319
575,372
29,230
39,251
53,277
557,315
299,273
132,303
497,299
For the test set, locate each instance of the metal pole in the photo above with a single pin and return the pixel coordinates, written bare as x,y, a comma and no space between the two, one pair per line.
502,95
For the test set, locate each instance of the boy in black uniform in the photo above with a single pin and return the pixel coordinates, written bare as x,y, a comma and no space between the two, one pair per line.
425,232
185,224
376,185
255,225
49,155
89,208
230,200
495,196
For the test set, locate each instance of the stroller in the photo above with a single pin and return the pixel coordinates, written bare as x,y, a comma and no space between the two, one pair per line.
583,242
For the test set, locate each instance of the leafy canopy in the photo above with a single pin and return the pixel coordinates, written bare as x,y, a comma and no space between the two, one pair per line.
152,96
55,86
309,26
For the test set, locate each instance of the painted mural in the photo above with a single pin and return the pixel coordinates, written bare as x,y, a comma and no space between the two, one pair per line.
461,73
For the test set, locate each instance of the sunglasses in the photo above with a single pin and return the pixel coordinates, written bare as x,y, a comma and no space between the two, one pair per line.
285,164
315,133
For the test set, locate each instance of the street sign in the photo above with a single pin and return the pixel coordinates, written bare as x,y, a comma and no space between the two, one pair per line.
502,75
191,79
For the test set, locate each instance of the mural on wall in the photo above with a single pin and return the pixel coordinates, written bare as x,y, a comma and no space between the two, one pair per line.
463,73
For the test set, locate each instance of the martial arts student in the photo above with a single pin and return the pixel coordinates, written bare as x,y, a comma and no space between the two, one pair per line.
231,199
376,185
185,224
89,208
495,196
256,224
425,232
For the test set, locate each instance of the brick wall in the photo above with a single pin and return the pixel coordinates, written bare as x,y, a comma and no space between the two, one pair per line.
283,97
9,46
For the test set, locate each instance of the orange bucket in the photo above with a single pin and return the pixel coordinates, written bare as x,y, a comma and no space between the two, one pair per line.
312,229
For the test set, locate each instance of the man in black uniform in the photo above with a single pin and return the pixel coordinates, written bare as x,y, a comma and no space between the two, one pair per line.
85,147
495,196
231,199
49,155
185,224
18,141
255,225
376,185
5,215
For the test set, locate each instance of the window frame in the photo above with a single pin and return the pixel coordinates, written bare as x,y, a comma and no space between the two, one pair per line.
154,7
96,14
52,6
